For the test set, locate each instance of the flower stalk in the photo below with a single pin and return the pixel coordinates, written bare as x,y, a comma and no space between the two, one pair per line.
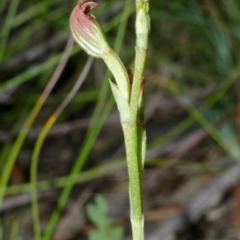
128,92
89,34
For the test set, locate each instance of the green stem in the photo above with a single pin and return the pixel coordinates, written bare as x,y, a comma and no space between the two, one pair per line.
142,31
131,130
135,176
132,135
137,81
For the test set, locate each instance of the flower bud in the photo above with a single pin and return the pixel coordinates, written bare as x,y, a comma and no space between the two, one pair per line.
86,30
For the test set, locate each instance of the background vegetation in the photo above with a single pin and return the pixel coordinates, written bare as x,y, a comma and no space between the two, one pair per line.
191,187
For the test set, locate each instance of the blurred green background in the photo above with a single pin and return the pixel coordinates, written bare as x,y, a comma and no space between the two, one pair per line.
192,117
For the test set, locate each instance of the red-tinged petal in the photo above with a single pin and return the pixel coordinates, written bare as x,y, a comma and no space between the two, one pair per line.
86,30
87,5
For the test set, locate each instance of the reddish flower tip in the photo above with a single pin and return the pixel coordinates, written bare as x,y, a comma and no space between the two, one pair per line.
87,5
86,30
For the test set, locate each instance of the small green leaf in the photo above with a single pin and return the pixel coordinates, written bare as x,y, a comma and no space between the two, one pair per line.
97,212
101,204
106,229
117,233
94,235
122,103
95,216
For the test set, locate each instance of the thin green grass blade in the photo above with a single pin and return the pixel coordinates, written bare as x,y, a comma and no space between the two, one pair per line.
71,180
1,231
14,231
28,122
39,143
60,182
35,71
211,100
226,144
7,26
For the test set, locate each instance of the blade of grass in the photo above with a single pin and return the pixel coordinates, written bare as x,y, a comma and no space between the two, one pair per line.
14,230
104,170
39,143
226,144
33,72
7,26
211,100
27,124
1,231
60,182
197,115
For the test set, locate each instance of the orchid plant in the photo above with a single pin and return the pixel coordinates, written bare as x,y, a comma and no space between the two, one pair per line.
128,91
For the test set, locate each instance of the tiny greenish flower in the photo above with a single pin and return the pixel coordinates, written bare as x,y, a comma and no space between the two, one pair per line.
86,30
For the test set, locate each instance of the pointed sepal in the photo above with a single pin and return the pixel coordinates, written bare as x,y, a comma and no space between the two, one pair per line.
122,103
